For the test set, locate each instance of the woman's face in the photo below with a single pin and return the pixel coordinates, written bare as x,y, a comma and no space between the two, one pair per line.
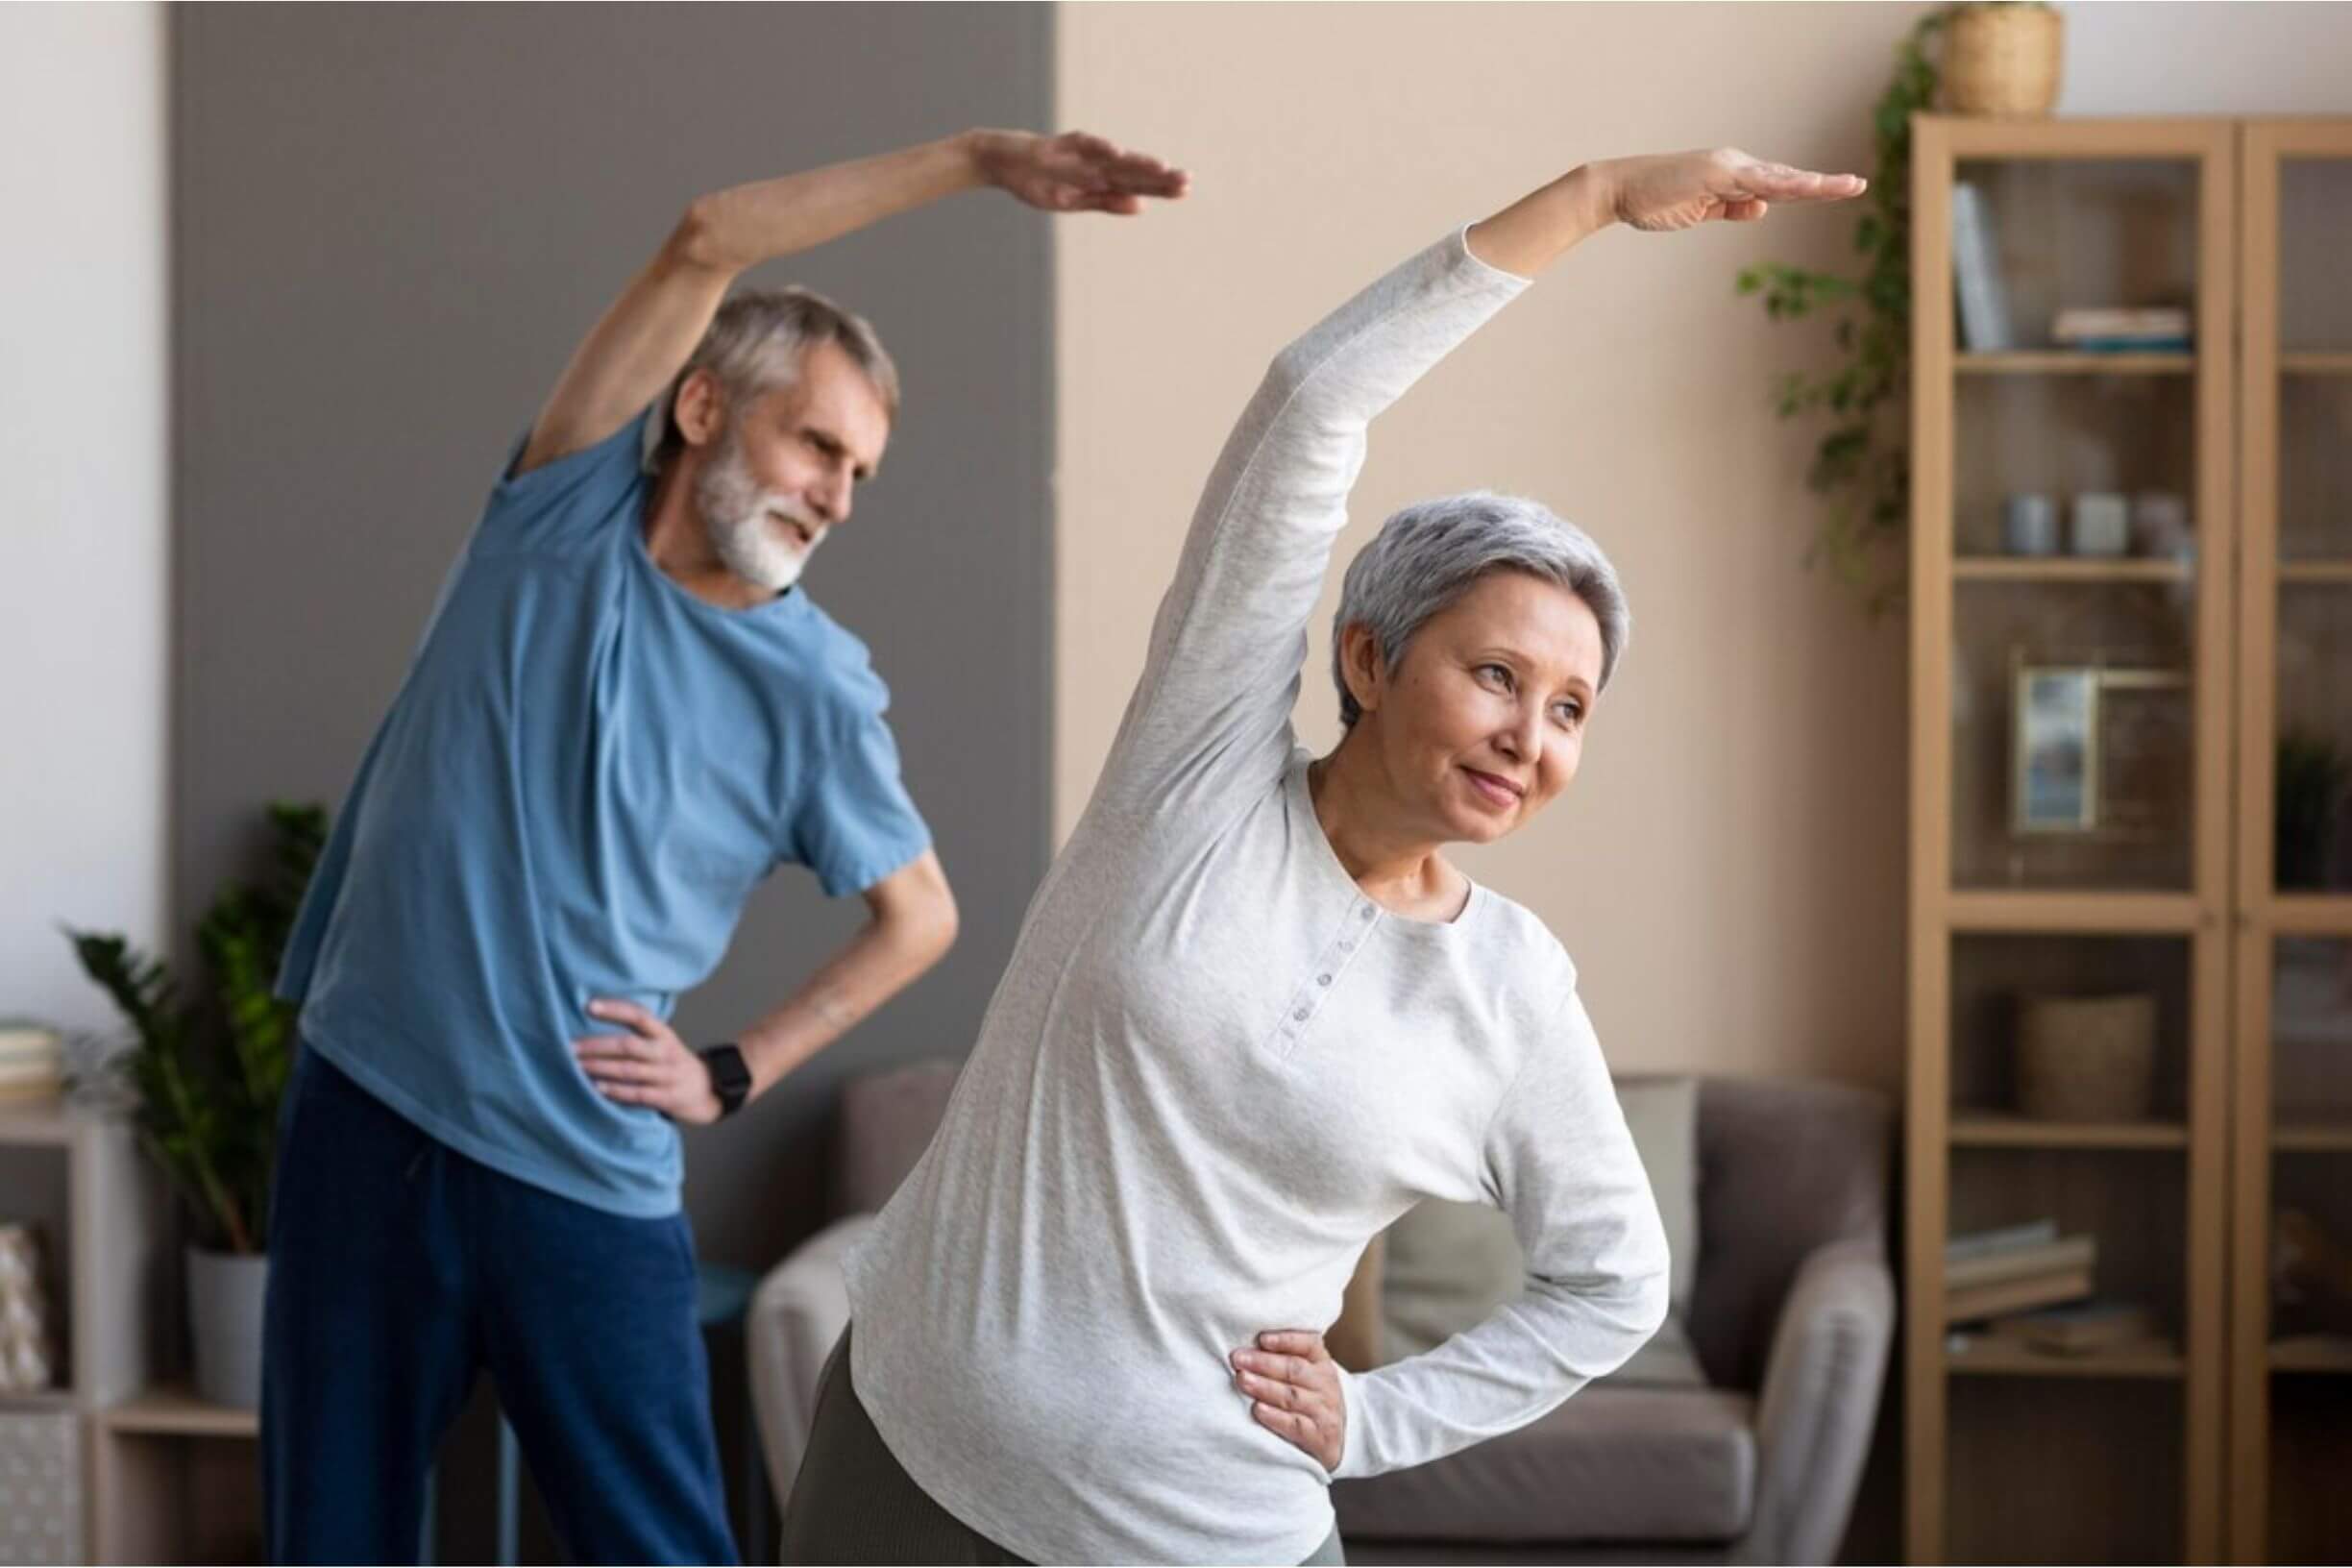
1483,721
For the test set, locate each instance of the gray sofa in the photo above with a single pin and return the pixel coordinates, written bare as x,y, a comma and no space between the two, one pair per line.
1792,1313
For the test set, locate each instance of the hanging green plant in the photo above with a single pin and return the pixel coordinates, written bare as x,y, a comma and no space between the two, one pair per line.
1862,466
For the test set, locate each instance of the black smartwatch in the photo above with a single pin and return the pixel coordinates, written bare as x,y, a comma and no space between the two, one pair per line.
730,1080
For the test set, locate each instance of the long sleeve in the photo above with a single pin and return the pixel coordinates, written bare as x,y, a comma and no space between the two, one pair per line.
1213,702
1563,1165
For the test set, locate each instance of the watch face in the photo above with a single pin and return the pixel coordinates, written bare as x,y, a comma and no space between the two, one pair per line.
730,1078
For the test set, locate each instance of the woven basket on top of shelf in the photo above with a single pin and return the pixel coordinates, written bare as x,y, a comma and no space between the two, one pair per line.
2003,60
2086,1057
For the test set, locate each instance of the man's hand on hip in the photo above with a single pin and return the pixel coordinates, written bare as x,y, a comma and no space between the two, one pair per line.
650,1066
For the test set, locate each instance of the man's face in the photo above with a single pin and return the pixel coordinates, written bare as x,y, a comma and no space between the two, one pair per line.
783,470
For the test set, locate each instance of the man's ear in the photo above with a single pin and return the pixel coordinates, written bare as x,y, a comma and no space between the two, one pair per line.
1360,664
700,409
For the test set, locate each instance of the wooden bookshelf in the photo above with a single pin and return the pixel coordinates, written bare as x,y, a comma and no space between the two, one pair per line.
2128,212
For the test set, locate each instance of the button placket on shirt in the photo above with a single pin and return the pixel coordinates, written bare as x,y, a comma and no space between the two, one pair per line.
1323,974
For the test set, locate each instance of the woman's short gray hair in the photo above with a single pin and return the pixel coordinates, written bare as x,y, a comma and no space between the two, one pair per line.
1428,555
754,346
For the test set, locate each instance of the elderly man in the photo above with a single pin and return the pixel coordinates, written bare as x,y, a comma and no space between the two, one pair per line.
622,715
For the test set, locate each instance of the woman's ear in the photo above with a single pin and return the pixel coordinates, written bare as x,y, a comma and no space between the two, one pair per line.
1360,664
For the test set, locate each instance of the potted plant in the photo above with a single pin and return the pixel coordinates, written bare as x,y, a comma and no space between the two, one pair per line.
2315,781
206,1068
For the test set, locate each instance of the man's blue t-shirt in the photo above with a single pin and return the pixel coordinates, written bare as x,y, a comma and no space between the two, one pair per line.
583,776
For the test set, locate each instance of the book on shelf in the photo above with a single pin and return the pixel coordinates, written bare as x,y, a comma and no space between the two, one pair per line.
2016,1295
1976,275
2147,330
2004,1238
2064,1255
2079,1328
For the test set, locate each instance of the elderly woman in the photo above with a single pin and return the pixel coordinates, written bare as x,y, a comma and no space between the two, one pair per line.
1255,1014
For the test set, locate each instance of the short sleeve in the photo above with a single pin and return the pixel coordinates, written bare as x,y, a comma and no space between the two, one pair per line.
571,503
857,824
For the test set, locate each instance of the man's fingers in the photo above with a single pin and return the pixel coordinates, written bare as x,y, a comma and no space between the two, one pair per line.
614,1048
629,1015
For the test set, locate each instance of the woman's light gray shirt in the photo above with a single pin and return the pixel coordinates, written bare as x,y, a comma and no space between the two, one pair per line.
1214,1070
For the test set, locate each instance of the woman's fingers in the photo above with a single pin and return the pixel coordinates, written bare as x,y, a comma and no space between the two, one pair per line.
1303,1343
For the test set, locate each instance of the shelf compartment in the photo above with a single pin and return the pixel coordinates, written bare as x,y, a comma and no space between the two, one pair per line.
2312,764
2074,736
2310,1454
2065,1469
2135,1202
1993,976
2315,466
2061,435
2315,364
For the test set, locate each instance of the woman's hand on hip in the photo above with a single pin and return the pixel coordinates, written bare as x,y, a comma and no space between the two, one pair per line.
1663,192
1293,1386
650,1066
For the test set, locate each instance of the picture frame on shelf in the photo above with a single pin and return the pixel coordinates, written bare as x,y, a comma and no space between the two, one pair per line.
2055,782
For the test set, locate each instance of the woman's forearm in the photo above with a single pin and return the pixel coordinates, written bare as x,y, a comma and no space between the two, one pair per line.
1545,224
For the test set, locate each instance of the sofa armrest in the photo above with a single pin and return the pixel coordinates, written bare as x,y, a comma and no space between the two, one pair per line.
795,1319
1820,1402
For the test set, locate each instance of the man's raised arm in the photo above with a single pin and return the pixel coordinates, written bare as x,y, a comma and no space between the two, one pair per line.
644,338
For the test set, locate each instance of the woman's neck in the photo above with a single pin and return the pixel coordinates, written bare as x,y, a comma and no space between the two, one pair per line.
1397,865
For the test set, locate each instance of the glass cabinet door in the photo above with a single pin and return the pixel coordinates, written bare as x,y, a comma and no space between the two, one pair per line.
2292,1416
2077,540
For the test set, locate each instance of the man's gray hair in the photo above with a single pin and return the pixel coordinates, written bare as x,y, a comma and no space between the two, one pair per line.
754,346
1428,555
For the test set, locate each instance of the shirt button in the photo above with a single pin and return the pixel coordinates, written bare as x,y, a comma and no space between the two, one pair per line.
1300,1014
1365,914
1322,979
1349,945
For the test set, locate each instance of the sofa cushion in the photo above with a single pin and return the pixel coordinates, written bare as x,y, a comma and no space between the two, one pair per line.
1612,1464
1451,1265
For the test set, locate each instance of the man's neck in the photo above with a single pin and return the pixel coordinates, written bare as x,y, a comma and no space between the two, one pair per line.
679,545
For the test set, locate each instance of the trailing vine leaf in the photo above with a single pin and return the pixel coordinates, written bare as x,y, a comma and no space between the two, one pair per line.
1861,467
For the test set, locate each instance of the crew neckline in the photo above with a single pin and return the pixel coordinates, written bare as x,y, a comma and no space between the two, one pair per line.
1302,800
772,611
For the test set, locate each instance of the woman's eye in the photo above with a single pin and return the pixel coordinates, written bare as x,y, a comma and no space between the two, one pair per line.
1569,712
1495,675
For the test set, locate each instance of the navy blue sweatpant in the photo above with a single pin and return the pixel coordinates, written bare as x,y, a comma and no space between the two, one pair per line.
400,1271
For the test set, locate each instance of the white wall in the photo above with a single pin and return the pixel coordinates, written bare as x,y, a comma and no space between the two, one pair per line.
84,470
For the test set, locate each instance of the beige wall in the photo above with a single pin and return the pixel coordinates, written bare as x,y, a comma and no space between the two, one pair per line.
1728,869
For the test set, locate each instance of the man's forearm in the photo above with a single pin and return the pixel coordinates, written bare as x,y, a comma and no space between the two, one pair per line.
745,225
882,960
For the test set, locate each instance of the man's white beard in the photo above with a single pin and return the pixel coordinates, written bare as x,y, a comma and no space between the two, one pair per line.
736,513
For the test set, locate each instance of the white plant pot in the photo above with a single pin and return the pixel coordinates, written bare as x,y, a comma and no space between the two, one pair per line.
225,1292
